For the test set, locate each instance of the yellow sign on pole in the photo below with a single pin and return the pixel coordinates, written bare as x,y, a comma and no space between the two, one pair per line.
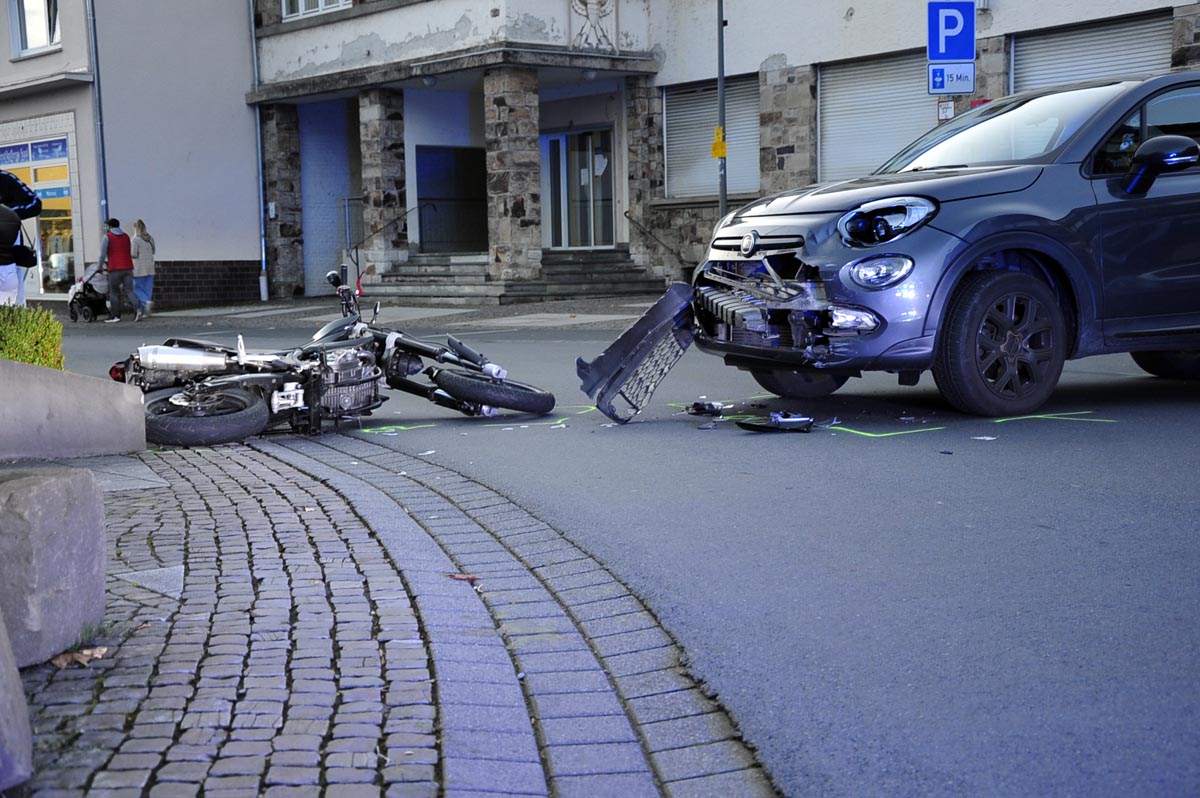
718,145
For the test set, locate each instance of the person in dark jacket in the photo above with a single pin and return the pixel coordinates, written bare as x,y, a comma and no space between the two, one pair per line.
15,257
116,254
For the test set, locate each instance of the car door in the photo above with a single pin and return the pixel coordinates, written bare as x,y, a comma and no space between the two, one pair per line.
1149,247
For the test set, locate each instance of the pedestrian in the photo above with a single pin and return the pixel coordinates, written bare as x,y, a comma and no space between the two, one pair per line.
22,200
116,254
142,250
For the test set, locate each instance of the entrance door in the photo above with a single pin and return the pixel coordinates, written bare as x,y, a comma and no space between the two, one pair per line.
452,192
578,183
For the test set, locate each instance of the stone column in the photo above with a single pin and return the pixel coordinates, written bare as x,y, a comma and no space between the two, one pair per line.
787,155
514,204
991,71
643,124
381,139
1185,37
281,184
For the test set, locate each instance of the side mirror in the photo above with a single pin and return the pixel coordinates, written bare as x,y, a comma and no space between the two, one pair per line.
1156,156
333,279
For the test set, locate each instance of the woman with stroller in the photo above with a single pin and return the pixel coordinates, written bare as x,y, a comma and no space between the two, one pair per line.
142,250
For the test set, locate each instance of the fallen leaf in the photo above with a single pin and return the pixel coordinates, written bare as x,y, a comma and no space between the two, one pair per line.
81,657
464,577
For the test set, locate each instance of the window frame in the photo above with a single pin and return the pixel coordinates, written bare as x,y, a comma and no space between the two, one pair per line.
301,12
19,29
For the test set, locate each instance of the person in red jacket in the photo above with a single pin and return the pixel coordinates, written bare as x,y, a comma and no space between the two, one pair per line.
116,254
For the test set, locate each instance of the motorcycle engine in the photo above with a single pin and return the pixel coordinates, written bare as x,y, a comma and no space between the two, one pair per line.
350,381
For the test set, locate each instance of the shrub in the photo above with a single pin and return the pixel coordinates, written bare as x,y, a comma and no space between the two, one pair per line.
31,335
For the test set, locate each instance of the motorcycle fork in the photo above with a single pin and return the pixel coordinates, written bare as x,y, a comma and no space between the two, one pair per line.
433,394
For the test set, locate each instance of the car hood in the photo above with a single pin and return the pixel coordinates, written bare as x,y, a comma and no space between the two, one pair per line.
944,185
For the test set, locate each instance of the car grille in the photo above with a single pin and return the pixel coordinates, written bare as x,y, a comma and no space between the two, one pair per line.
745,318
765,243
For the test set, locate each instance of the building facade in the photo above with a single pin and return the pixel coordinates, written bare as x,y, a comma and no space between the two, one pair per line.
136,110
480,152
473,149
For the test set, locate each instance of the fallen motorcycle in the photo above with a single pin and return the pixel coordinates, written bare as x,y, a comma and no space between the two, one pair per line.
201,393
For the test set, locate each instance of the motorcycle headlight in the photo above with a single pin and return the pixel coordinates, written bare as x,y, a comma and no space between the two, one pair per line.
880,271
884,220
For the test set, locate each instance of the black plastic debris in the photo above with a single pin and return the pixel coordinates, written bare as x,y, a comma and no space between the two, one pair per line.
623,378
706,409
782,421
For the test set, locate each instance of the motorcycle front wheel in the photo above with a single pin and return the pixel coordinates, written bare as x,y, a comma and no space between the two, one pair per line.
201,417
509,394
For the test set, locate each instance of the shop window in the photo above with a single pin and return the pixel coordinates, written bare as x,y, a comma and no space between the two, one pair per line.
34,24
690,119
294,9
44,166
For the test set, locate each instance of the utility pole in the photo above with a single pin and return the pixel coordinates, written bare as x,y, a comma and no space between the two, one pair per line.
719,147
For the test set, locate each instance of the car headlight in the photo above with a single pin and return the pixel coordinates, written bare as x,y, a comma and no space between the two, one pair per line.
884,220
880,271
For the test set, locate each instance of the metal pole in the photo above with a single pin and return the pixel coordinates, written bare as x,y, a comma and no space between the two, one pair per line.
263,290
721,101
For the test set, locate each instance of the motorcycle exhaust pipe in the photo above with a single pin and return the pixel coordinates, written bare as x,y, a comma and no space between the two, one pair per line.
174,358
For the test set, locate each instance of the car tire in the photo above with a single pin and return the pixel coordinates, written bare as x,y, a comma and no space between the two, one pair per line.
799,383
1173,365
1003,344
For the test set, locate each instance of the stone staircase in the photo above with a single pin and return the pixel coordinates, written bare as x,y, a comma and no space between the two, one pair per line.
443,279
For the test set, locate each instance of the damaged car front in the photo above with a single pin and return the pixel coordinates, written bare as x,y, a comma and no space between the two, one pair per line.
807,288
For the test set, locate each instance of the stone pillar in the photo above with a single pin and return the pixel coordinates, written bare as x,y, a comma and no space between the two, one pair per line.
643,124
281,179
267,12
514,205
381,139
1185,37
787,155
991,71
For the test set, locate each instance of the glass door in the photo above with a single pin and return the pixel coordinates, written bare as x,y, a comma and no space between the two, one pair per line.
580,189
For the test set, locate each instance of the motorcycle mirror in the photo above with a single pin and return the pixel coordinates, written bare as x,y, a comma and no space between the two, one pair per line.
333,279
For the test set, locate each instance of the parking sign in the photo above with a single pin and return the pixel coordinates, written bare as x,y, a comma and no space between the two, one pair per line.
951,30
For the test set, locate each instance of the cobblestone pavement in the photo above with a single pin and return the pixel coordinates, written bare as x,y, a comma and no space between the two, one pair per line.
293,618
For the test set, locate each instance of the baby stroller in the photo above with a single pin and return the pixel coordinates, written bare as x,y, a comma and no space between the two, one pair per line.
86,299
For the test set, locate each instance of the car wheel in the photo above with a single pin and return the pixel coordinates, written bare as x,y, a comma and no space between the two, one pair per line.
799,383
1172,365
1002,348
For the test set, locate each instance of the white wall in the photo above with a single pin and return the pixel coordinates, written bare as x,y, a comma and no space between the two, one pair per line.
180,141
433,30
788,32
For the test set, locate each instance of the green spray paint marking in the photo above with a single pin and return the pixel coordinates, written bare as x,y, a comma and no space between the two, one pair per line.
397,428
1061,417
885,434
561,422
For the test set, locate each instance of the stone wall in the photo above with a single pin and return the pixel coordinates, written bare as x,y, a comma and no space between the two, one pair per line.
514,206
643,114
381,142
281,184
787,126
1185,37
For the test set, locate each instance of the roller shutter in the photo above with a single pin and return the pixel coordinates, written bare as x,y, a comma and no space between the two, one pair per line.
1102,50
691,116
869,110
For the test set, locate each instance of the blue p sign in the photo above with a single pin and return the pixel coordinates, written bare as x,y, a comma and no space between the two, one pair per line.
951,30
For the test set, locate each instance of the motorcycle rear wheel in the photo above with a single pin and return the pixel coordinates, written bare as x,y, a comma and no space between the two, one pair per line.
509,394
208,417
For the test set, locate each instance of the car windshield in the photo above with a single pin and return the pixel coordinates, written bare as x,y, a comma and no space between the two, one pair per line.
1019,128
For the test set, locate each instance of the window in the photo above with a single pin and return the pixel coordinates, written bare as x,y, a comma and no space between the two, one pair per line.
35,24
690,118
294,9
1173,113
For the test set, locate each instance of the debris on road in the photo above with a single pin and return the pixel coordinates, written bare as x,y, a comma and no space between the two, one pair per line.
782,421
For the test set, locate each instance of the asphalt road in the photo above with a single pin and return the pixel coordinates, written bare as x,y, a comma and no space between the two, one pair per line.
904,601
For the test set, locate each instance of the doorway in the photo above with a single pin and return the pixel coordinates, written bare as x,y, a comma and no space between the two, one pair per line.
577,181
452,192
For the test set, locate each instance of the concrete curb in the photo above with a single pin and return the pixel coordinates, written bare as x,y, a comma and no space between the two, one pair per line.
48,414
